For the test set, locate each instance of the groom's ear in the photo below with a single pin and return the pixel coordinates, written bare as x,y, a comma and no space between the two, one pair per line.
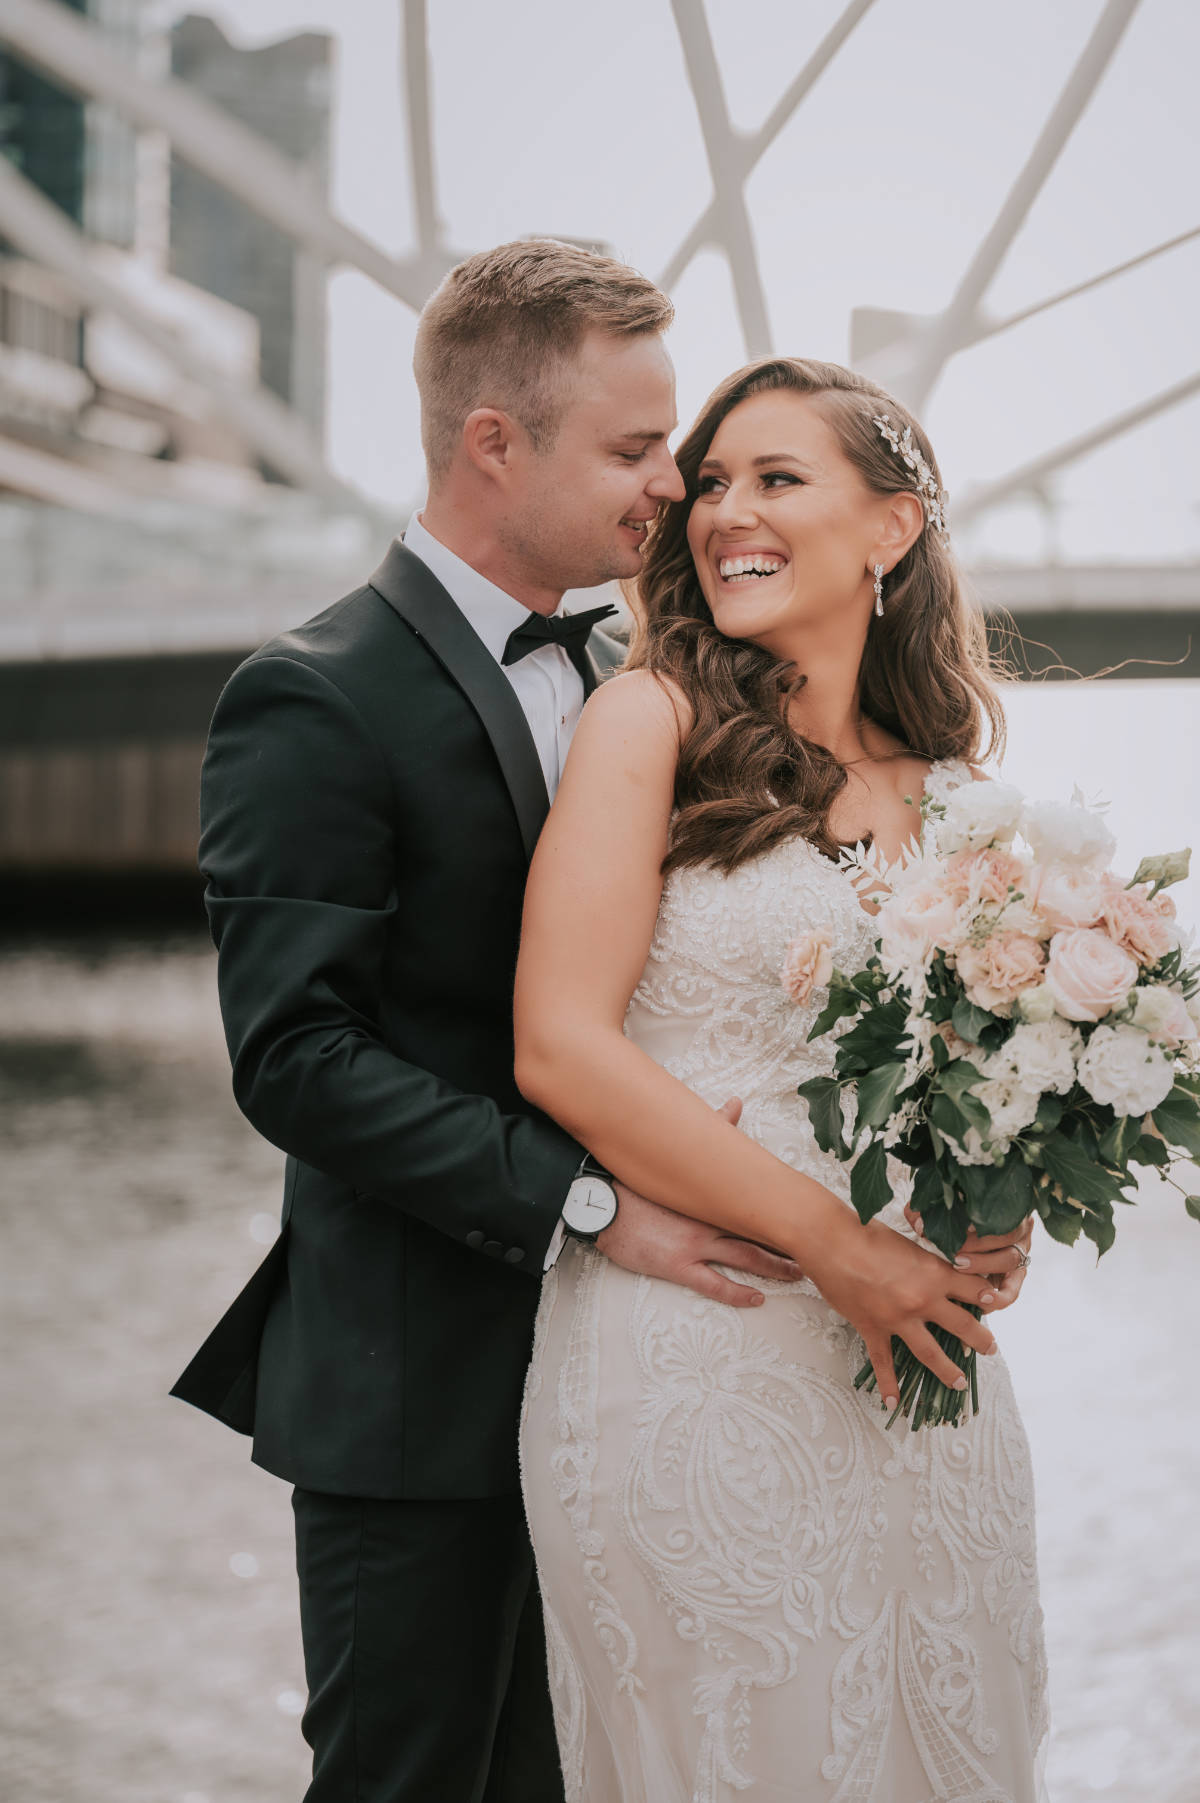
491,439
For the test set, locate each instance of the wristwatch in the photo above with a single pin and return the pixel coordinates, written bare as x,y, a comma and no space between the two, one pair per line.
591,1203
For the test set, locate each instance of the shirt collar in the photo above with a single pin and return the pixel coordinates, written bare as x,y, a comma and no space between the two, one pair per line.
491,612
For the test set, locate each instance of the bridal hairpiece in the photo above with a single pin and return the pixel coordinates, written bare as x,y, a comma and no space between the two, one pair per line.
936,499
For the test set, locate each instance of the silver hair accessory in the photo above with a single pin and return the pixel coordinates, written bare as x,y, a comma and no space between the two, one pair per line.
935,499
879,590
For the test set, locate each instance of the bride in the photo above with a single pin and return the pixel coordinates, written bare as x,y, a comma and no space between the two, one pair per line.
751,1584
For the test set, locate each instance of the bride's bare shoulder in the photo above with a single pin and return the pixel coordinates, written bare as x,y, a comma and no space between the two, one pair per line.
641,703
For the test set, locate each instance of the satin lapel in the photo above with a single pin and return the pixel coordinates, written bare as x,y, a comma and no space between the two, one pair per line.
418,597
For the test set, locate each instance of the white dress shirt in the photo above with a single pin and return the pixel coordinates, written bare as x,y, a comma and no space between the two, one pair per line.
545,681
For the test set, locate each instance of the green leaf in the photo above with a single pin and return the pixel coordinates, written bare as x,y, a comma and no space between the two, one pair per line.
940,1052
969,1021
1062,1224
1082,1179
1192,1204
947,1228
959,1076
930,1192
841,1002
1099,1228
1118,1141
869,1187
877,1092
824,1098
1049,1114
878,1035
948,1117
1178,1120
998,1197
1149,1150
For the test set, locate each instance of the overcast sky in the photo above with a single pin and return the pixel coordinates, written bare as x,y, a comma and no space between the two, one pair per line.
577,119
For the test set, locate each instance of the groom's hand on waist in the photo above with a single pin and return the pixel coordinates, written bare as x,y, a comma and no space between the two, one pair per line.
657,1242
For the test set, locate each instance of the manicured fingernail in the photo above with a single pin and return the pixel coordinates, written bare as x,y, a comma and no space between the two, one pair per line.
992,1350
759,1299
919,1223
962,1264
890,1402
988,1296
960,1382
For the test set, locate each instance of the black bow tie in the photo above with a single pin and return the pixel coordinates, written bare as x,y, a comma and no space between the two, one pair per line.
568,630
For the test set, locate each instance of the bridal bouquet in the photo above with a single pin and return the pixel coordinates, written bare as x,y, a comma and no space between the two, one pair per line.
1023,1037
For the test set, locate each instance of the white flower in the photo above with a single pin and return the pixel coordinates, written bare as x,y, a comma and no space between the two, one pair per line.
979,814
1039,1056
1162,1013
1036,1004
1065,832
971,1149
1010,1105
1193,1007
1125,1069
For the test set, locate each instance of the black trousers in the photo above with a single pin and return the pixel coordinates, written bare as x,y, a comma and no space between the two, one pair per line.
424,1651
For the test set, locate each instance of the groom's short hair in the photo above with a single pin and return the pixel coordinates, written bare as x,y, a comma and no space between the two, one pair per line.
502,329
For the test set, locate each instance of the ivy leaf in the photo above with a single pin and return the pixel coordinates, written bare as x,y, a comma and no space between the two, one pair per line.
1082,1179
1118,1141
1099,1228
1178,1120
946,1228
1049,1114
930,1191
824,1098
998,1197
1063,1224
869,1187
877,1092
1150,1150
1192,1204
843,1000
969,1021
959,1076
878,1035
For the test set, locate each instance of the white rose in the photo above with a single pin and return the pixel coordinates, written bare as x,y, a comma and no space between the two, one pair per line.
1125,1069
1193,1007
1037,1003
1162,1013
1039,1056
1067,833
1010,1105
979,814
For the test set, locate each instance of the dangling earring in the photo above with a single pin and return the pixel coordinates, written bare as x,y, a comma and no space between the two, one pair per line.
879,590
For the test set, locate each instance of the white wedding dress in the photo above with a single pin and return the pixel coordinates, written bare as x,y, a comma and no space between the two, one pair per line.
752,1587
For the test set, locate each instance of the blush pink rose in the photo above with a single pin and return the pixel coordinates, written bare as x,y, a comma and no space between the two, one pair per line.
915,921
1137,924
808,964
984,875
1068,895
1088,974
994,973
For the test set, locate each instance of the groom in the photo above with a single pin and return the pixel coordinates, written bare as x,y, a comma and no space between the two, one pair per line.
374,787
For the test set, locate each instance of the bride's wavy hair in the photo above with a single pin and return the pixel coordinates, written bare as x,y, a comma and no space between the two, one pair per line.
746,780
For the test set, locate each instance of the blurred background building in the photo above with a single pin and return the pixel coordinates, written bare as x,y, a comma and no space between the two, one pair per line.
166,495
216,230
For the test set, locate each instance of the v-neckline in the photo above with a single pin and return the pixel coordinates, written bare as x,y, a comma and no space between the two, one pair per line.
873,913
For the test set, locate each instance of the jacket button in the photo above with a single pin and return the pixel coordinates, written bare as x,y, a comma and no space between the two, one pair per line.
515,1255
475,1240
493,1248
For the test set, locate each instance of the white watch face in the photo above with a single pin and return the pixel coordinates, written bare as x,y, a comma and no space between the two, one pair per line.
590,1205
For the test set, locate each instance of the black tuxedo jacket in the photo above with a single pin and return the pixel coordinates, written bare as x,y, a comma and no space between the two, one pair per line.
370,801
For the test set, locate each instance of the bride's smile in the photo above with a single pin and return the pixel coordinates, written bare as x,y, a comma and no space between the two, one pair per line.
784,539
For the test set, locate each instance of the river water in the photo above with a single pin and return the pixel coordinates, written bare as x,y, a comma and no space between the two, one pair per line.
151,1649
